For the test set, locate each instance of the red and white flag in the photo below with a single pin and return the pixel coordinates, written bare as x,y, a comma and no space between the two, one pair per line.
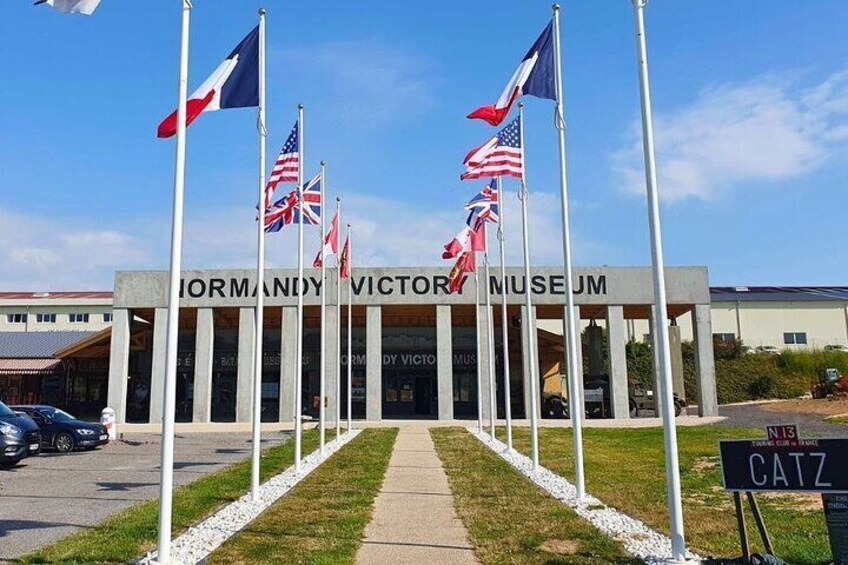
344,260
234,84
331,243
467,239
464,265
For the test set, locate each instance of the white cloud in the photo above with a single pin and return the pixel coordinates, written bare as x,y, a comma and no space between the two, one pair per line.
372,82
767,129
48,254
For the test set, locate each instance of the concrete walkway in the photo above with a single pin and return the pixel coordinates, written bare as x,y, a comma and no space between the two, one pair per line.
414,520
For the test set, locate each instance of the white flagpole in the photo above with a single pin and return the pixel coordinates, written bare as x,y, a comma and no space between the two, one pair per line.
260,276
504,316
350,329
493,392
572,331
322,418
298,357
166,473
479,365
530,370
672,464
339,320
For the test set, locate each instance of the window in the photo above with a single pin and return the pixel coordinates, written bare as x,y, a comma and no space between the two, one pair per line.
45,318
107,318
795,338
16,318
724,337
78,318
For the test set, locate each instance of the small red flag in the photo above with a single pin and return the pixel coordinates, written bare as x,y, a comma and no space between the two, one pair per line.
344,259
464,265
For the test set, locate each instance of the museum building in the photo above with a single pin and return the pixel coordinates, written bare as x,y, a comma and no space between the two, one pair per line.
414,345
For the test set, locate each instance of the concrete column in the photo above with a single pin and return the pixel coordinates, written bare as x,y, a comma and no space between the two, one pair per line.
655,358
244,387
444,361
483,317
288,336
119,362
529,354
619,392
204,343
705,360
329,351
157,367
676,361
374,363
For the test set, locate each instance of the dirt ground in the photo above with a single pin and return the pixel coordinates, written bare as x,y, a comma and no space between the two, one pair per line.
820,407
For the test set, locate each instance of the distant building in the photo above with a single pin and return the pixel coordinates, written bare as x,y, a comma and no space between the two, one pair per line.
55,311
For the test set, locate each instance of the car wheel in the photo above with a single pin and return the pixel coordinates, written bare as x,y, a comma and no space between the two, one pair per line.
64,443
634,410
678,409
8,464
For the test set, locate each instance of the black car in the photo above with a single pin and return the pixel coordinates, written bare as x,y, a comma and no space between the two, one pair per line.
19,437
63,432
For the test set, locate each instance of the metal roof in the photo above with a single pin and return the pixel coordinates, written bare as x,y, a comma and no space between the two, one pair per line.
37,345
777,293
53,295
28,366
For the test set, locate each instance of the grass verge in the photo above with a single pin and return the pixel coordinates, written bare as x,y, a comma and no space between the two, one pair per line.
509,519
130,533
837,419
625,468
321,521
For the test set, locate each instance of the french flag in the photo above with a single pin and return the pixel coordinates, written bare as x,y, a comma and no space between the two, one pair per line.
534,76
234,84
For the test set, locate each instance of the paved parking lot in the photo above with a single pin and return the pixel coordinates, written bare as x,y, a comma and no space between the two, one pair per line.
48,497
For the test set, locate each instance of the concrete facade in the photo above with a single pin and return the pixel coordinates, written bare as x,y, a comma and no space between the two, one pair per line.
395,303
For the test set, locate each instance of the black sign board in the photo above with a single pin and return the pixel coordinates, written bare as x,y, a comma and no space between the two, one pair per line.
785,463
836,516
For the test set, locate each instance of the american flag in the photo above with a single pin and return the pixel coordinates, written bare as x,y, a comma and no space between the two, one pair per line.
485,206
286,211
501,155
286,167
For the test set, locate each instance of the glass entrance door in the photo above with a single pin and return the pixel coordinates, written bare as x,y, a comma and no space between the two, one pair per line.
409,394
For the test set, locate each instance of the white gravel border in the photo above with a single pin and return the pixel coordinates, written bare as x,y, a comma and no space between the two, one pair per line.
637,538
193,546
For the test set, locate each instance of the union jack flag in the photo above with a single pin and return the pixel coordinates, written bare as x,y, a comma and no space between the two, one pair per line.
286,210
485,206
286,167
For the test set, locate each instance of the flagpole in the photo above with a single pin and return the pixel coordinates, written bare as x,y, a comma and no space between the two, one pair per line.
339,320
479,365
298,358
572,332
322,419
493,392
166,473
504,315
260,276
349,329
530,370
661,339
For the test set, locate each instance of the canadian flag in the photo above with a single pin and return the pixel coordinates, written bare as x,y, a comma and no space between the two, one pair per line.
466,240
234,84
331,243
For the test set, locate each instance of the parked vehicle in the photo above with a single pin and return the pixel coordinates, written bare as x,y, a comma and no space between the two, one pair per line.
63,432
19,437
769,349
642,398
835,348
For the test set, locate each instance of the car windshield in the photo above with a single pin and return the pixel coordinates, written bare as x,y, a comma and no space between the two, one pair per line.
60,416
5,410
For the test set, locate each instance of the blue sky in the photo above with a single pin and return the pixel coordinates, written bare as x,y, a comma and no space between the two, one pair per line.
750,98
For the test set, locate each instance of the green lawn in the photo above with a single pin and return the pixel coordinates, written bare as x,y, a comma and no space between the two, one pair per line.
626,469
127,535
509,519
321,521
837,419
